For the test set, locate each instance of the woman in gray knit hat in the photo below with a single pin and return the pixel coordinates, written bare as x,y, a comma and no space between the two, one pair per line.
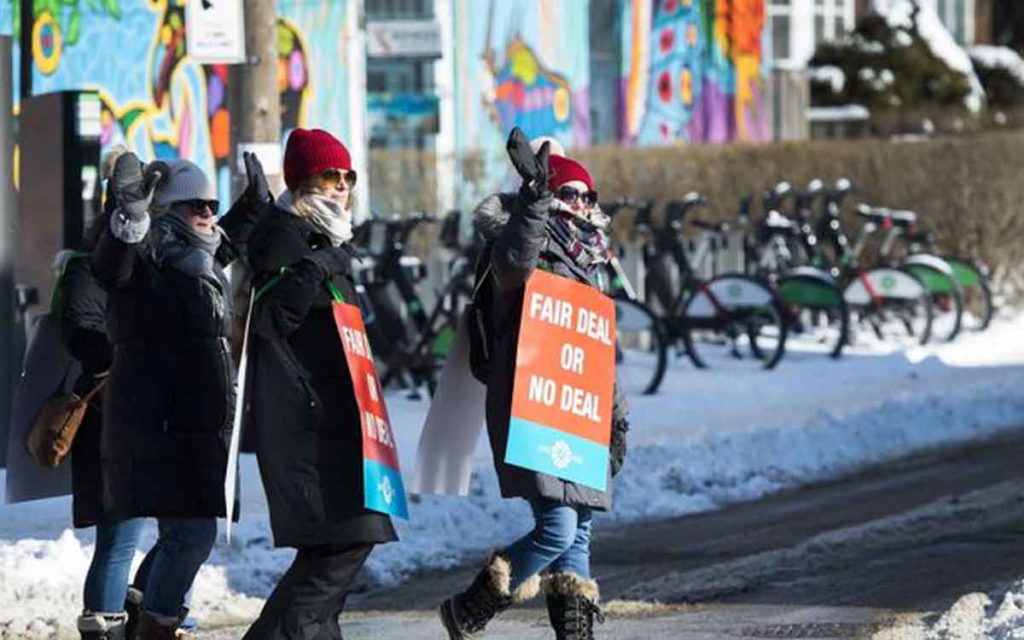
168,406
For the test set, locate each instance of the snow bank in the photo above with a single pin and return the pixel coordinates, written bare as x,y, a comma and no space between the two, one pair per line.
973,616
708,439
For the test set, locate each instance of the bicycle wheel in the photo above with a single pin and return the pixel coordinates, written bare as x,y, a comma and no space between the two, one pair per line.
975,294
817,315
733,322
947,304
889,306
640,349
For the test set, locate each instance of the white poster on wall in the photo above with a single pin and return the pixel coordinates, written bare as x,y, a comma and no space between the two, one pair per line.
215,31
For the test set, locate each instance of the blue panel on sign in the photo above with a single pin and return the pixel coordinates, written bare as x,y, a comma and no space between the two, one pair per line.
557,453
384,490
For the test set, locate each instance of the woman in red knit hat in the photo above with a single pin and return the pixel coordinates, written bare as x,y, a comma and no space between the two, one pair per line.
552,223
302,410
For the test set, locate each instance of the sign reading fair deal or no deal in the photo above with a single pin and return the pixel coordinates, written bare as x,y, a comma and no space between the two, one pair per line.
564,381
215,31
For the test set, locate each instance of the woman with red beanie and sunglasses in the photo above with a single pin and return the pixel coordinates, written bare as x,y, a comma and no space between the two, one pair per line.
553,223
303,412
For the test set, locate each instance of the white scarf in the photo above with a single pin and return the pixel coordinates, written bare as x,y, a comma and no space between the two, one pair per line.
329,216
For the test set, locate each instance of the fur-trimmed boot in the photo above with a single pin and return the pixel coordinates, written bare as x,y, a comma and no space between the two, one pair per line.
572,606
98,626
467,614
133,607
153,627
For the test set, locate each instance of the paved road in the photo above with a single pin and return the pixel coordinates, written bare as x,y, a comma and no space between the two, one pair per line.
836,560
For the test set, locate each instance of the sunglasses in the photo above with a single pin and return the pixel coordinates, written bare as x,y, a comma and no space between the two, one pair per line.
200,207
334,178
569,195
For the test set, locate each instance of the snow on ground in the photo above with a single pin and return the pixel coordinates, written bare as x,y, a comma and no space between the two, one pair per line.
707,439
972,617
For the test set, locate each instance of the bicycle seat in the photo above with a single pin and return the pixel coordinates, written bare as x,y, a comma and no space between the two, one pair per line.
676,210
713,227
903,217
873,214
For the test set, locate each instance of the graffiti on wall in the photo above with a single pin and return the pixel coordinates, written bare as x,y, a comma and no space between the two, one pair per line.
521,63
693,71
153,97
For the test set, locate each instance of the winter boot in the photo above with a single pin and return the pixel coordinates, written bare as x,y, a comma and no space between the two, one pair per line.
95,626
133,607
154,627
466,614
572,606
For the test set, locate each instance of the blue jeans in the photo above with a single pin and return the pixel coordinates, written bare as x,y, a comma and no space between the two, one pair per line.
559,541
182,548
106,583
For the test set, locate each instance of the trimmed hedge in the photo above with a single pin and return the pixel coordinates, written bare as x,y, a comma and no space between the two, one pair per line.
968,189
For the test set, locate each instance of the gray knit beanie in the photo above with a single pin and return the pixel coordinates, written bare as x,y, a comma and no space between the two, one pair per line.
186,181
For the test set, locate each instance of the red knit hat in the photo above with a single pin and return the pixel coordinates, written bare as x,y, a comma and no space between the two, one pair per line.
562,170
312,151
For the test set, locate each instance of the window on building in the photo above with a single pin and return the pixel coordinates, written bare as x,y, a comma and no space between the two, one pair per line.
780,15
605,59
799,26
958,16
399,9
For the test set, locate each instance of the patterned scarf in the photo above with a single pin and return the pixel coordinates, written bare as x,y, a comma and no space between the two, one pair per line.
582,240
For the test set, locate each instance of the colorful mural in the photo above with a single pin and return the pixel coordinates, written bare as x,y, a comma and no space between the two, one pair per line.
158,101
693,71
521,63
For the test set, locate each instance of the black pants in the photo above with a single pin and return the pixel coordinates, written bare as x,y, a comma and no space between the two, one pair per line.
306,603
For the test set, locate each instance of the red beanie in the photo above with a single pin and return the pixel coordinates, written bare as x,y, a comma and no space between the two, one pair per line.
562,170
312,151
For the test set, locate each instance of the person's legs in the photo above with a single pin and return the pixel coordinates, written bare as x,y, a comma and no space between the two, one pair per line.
554,534
310,596
576,559
183,547
107,579
106,582
571,594
512,575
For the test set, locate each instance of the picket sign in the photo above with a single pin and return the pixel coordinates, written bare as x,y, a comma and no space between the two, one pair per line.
454,422
383,488
562,395
231,473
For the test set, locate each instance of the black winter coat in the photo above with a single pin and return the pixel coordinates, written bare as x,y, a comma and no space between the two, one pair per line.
83,310
301,406
520,239
169,403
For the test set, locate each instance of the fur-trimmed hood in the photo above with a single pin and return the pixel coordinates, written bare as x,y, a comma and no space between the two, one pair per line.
492,213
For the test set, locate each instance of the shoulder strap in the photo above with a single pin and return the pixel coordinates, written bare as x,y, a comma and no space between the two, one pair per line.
55,297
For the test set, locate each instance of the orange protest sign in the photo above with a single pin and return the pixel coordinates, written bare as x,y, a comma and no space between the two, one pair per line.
383,488
564,381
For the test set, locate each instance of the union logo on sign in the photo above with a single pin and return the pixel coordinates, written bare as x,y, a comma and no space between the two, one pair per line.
386,490
888,282
734,291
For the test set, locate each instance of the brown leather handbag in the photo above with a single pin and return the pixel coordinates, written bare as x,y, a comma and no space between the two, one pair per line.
55,426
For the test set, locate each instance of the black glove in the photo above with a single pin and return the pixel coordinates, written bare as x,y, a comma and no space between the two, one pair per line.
134,184
617,450
532,168
257,191
331,260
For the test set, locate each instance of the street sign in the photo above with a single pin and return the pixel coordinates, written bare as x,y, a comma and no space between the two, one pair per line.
403,39
215,31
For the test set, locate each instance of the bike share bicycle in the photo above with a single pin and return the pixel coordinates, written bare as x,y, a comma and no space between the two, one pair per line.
783,251
410,342
893,304
728,321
